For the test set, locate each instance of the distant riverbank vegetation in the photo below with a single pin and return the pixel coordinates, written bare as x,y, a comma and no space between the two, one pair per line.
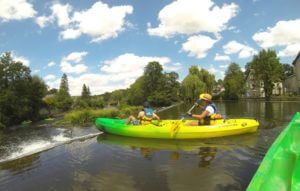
24,96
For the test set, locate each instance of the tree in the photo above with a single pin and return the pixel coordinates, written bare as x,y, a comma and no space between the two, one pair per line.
233,82
64,100
136,94
20,93
152,78
85,93
267,69
288,70
191,87
208,79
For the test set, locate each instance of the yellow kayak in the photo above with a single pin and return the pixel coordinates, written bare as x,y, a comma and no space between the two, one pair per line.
178,129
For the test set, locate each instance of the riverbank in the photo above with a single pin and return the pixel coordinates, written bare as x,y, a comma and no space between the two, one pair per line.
276,98
88,116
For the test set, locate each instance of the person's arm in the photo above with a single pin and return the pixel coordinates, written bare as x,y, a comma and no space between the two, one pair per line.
201,116
140,115
156,117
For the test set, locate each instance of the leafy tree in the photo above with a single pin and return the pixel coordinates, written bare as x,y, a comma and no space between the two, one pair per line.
196,82
288,70
37,91
85,93
152,78
267,69
234,82
191,87
52,91
136,94
208,79
20,93
64,100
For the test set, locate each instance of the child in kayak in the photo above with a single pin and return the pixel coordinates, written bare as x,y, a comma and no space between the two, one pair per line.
144,117
210,111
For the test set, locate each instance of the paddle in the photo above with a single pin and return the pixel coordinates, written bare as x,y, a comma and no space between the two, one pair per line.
175,128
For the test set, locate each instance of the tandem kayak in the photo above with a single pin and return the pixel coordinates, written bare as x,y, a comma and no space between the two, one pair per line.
280,167
177,129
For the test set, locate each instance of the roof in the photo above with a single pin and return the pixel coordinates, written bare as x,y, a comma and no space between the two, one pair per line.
298,57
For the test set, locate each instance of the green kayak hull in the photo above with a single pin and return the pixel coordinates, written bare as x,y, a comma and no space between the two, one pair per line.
280,168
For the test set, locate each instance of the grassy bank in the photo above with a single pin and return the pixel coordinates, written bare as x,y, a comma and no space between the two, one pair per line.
88,116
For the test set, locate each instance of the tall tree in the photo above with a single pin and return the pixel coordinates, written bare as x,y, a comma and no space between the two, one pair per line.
64,100
20,93
152,78
233,82
85,93
288,70
267,69
191,87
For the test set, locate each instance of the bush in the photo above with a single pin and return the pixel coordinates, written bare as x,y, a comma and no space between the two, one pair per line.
89,115
2,126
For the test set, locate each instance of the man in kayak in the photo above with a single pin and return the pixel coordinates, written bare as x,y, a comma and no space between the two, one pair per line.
209,111
144,117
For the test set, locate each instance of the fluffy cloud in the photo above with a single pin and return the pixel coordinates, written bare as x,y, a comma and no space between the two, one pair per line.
173,67
198,45
100,22
74,57
49,77
219,57
290,50
50,64
234,47
284,33
22,59
117,73
193,16
130,64
16,10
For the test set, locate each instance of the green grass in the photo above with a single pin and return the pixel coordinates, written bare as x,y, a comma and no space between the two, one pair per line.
87,116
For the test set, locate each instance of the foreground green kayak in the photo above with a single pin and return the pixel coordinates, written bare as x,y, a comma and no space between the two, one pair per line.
177,129
280,169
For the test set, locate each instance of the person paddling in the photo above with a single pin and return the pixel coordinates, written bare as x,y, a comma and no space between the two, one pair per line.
145,117
209,112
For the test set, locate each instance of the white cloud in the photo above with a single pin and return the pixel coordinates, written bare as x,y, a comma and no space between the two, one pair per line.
193,16
173,67
198,45
69,68
49,77
130,63
234,47
284,33
100,22
35,71
225,66
50,64
290,50
117,73
22,59
43,20
220,57
212,70
74,57
61,13
16,10
70,34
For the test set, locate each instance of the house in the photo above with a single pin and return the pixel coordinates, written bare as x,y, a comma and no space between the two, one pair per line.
292,84
255,88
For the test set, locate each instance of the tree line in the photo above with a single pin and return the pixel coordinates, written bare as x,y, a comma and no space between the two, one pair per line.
23,96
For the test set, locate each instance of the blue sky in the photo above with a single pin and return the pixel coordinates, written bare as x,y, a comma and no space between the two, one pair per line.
106,44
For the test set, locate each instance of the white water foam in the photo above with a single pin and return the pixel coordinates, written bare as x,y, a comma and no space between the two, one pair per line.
29,148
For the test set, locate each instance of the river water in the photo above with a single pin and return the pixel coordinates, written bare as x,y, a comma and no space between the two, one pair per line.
41,157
